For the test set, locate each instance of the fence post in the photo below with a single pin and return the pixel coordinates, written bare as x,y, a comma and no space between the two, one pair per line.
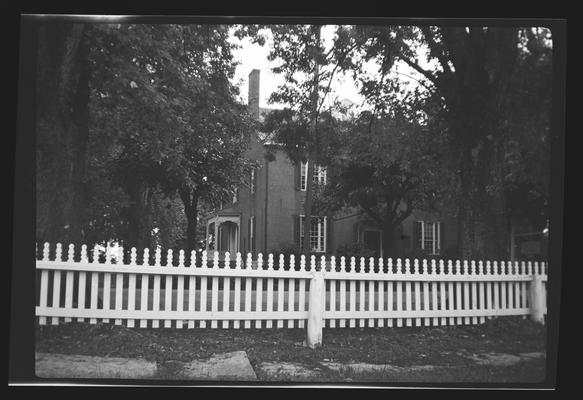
536,299
316,301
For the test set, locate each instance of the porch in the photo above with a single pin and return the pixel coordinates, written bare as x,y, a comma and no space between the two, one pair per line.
223,233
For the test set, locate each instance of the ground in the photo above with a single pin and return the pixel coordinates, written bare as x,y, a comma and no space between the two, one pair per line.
454,349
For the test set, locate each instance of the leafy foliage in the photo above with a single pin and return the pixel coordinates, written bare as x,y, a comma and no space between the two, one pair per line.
163,123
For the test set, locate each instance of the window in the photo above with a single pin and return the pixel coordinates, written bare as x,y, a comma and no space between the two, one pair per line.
252,234
319,175
235,195
429,236
252,183
317,233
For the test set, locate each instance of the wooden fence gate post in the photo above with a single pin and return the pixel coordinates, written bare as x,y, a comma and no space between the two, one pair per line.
537,299
316,310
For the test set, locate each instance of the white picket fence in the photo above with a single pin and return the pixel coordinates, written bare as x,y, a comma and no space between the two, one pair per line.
252,293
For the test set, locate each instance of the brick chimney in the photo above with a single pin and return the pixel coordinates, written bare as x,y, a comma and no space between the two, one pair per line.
253,98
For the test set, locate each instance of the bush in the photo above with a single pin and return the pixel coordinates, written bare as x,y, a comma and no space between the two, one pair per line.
354,250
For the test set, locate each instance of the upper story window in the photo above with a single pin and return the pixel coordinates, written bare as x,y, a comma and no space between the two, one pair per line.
319,176
252,234
235,195
252,182
429,238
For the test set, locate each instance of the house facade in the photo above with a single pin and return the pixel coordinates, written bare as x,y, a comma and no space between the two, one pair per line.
266,213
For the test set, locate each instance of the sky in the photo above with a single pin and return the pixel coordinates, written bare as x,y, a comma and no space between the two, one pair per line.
254,56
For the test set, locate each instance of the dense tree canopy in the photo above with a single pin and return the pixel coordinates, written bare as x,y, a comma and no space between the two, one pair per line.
160,120
477,78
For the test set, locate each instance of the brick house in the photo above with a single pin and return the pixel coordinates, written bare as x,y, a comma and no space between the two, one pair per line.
266,214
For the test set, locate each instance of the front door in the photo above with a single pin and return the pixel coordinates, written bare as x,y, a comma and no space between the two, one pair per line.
372,240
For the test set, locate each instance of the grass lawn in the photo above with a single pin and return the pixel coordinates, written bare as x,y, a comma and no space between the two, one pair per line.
447,346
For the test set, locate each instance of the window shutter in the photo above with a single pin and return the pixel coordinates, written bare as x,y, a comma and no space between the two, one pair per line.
328,234
441,238
415,244
296,233
298,176
254,233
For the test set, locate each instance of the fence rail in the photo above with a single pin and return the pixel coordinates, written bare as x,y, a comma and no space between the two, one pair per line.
293,292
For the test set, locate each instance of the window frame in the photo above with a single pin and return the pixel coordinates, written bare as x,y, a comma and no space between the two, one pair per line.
320,175
252,185
434,227
321,236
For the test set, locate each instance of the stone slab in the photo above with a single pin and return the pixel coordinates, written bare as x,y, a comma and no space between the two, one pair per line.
496,359
366,367
79,366
287,371
529,356
234,366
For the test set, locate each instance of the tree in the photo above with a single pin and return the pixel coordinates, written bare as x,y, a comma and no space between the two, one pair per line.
168,93
385,164
305,66
62,130
473,79
131,116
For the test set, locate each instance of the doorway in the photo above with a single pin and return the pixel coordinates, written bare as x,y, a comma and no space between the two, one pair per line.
372,240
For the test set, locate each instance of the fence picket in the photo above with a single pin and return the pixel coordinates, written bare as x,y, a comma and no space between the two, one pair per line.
473,293
510,298
361,298
156,290
390,305
268,323
408,321
450,301
132,288
381,302
226,289
458,292
69,283
426,321
342,322
399,293
352,306
467,320
237,303
280,300
516,287
144,280
371,301
503,289
417,292
280,292
496,286
524,303
333,301
168,289
291,300
258,299
442,293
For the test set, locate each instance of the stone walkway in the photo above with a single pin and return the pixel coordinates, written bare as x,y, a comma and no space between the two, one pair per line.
234,366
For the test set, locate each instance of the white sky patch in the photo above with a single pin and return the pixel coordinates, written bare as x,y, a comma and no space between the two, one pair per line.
253,56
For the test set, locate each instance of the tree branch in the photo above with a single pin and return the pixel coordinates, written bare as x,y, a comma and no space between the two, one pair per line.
406,213
417,68
434,48
374,215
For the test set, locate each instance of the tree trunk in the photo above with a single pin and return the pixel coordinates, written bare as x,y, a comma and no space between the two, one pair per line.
483,62
388,241
139,222
306,245
190,201
62,131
